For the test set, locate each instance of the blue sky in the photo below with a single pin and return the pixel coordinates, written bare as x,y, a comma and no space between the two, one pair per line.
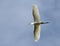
15,19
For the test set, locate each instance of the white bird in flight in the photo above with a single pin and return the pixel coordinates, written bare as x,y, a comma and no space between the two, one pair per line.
37,23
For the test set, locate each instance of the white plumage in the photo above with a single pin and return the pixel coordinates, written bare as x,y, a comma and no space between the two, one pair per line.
37,22
36,17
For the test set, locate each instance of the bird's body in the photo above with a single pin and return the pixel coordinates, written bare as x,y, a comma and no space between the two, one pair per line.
37,22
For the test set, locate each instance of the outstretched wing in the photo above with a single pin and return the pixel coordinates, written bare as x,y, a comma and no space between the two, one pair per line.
36,17
36,32
35,13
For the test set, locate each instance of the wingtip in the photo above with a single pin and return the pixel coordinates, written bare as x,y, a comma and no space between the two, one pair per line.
36,40
34,5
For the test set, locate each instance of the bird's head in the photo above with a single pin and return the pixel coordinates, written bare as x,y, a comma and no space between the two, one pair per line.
32,23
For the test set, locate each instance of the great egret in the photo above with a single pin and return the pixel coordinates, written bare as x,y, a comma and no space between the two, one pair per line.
36,22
